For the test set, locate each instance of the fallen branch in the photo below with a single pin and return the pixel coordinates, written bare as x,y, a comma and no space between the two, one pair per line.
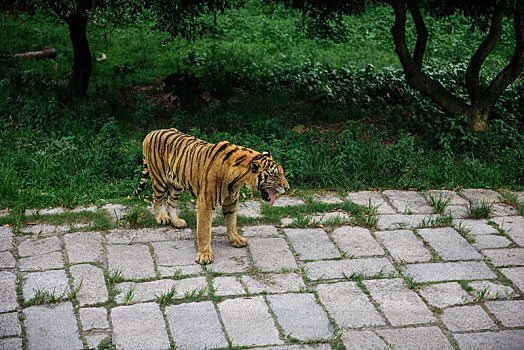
47,52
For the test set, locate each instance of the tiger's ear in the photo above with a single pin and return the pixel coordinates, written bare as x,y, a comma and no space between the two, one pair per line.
267,154
255,166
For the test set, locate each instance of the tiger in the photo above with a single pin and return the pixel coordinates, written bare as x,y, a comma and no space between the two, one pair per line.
213,173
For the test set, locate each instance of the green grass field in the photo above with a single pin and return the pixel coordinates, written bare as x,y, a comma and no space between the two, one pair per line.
362,126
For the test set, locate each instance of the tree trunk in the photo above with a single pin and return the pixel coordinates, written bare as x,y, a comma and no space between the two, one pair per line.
478,120
82,61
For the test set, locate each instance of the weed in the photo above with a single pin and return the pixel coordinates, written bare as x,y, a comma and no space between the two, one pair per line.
130,294
195,294
513,199
439,203
441,220
478,209
411,282
166,298
113,277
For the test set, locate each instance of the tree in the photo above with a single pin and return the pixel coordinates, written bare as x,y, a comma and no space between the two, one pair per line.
485,15
76,15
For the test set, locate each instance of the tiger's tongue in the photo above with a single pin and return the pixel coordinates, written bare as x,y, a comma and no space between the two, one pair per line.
271,198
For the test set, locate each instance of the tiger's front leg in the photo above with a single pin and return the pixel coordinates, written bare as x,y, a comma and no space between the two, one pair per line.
204,219
229,210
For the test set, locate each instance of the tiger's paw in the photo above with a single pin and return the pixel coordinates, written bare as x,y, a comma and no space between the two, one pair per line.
179,223
205,257
163,219
238,241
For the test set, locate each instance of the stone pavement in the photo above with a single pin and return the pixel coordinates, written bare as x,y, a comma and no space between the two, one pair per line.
402,285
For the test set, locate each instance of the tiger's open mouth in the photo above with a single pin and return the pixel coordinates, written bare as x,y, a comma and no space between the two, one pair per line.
268,196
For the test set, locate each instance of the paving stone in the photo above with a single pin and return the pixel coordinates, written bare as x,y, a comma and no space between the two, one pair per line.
457,211
94,339
219,232
93,286
139,326
400,221
7,291
505,257
408,201
249,209
6,238
365,197
9,325
420,338
147,291
32,247
227,286
271,254
298,347
334,217
83,247
285,222
514,227
45,230
248,322
146,235
93,318
42,262
476,227
273,282
516,275
480,194
327,198
504,340
54,282
509,312
454,198
442,295
287,202
348,305
450,271
177,254
11,344
356,241
52,327
195,326
91,208
227,258
300,316
449,244
118,211
259,231
400,305
331,269
7,261
363,340
311,244
491,241
492,290
467,318
403,245
134,261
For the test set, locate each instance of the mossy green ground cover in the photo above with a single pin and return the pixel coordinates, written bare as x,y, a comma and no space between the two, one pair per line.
362,126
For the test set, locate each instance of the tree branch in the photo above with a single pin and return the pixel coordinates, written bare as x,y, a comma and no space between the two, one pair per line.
515,66
485,48
414,76
422,32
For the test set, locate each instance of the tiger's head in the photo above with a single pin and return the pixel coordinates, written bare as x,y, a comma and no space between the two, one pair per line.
270,179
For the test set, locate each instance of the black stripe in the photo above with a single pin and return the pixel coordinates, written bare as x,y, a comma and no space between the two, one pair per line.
228,155
239,161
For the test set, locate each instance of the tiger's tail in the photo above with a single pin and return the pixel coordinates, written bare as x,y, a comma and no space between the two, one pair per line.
143,179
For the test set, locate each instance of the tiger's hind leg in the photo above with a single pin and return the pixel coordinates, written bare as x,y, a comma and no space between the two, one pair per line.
173,193
159,206
229,210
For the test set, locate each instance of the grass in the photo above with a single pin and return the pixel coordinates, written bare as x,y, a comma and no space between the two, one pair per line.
50,297
513,199
166,298
363,127
478,209
439,203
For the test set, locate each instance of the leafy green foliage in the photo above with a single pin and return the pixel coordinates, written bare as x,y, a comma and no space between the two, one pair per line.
362,127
